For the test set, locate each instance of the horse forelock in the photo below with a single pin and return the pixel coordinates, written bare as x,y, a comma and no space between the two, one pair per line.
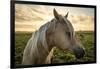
70,27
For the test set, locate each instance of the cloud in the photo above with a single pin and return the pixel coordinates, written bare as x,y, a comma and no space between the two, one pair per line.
31,17
82,22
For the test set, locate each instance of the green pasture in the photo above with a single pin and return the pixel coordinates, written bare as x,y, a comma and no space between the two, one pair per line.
86,38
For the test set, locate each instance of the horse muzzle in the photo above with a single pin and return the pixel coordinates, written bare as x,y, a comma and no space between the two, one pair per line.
79,52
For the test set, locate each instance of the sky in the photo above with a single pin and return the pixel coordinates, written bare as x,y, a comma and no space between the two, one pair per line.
29,18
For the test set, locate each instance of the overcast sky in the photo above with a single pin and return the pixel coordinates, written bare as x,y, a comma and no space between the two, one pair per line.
31,17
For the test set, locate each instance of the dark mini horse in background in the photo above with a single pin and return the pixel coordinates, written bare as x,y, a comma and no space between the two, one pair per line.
58,33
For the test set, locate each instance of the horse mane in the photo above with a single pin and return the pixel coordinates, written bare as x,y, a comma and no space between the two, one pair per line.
39,36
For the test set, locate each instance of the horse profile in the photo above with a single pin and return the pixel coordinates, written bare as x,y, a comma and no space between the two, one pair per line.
59,33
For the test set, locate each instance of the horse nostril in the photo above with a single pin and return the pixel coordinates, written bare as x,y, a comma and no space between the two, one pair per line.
79,53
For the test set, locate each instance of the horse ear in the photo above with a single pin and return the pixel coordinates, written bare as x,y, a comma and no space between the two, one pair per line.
66,15
56,15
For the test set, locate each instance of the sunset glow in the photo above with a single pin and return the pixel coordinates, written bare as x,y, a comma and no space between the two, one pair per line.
31,17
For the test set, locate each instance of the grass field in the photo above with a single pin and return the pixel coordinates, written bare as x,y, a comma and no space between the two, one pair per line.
87,39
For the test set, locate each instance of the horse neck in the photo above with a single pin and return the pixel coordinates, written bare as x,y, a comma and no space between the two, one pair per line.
42,48
44,39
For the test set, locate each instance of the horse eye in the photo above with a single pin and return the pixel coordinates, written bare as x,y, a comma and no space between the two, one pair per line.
68,33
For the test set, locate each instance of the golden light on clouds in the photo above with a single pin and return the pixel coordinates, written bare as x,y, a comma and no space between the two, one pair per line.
28,18
82,22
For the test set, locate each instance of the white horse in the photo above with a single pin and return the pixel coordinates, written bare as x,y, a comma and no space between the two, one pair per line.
58,33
